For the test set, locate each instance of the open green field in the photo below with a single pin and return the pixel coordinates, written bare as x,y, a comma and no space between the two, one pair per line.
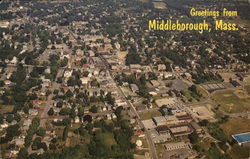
109,139
232,101
150,114
6,108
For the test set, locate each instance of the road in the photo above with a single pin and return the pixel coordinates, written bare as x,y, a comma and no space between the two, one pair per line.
49,104
150,142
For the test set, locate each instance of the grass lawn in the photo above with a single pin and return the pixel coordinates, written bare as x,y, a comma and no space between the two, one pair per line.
108,139
149,114
6,108
144,141
239,152
247,88
205,143
230,102
160,148
236,125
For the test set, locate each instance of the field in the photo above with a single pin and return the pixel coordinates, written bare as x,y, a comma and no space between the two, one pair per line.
6,108
149,114
236,125
232,101
108,139
247,88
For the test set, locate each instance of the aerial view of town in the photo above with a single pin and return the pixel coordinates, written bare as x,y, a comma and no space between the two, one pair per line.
125,79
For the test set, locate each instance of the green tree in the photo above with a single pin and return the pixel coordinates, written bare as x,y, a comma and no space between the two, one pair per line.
51,112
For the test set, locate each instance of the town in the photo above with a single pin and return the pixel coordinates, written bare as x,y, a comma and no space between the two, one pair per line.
88,79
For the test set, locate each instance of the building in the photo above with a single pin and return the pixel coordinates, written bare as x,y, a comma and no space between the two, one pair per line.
176,146
134,88
161,67
180,129
162,129
160,120
196,127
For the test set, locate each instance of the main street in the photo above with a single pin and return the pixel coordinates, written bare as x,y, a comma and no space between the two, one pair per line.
150,142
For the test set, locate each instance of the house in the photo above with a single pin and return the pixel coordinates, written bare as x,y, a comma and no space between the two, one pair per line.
135,66
155,83
19,141
235,83
167,75
33,112
108,116
188,76
84,80
152,91
113,116
14,60
134,88
91,53
141,108
68,73
139,133
79,52
4,24
161,67
132,121
77,119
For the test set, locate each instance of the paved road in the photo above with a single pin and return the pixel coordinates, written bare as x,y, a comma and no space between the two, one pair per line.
49,104
150,142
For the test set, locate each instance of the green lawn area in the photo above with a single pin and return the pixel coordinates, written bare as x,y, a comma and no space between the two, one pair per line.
230,102
6,108
144,141
108,139
205,143
149,114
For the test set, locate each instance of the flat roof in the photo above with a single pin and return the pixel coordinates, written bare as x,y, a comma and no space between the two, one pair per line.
242,138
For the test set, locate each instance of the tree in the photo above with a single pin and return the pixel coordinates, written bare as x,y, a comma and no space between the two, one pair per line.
204,122
22,154
28,140
2,83
51,112
11,131
66,121
36,144
133,58
68,94
41,131
193,137
65,133
110,99
93,109
59,104
64,111
9,118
